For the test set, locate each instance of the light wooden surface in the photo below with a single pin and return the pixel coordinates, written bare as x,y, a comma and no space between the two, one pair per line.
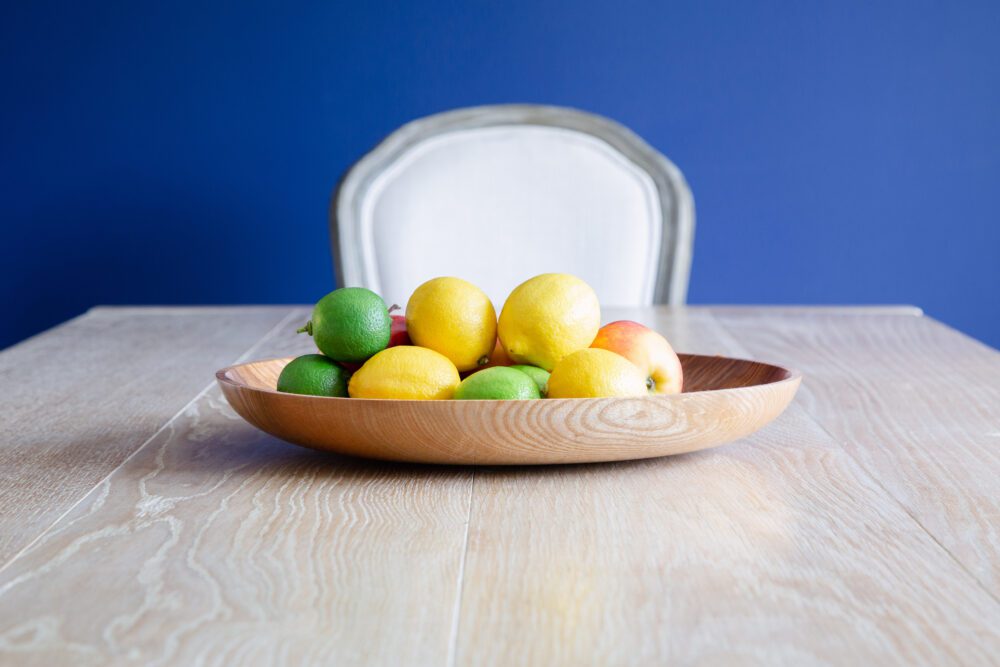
929,397
725,399
75,402
858,528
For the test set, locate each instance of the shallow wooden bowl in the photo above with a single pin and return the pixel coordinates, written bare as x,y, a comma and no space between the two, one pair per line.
724,399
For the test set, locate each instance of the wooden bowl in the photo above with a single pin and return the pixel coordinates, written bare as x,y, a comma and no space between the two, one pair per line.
724,399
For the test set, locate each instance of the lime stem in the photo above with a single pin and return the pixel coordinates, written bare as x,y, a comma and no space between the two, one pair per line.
308,328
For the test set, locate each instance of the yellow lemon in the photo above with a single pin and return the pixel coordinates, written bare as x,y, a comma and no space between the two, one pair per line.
548,317
455,318
593,373
405,371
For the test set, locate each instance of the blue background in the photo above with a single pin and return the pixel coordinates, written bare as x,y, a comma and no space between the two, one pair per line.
184,152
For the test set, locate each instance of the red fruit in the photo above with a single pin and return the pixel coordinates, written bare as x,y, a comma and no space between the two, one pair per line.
399,336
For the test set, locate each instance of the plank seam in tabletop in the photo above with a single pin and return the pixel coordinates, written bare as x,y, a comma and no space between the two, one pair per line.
774,550
906,510
27,547
225,545
457,617
955,559
809,408
727,332
121,375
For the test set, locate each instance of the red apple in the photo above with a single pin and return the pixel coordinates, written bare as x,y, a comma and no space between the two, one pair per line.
646,349
399,336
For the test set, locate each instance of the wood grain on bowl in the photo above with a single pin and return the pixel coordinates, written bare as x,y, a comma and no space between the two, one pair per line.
725,399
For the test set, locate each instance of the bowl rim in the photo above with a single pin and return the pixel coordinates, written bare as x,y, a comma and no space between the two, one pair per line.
793,376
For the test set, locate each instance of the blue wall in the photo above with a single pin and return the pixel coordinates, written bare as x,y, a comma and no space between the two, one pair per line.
839,152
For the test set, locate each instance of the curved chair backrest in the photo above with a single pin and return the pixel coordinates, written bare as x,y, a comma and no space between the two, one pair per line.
497,194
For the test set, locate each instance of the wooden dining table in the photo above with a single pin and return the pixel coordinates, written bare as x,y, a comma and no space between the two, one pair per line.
143,522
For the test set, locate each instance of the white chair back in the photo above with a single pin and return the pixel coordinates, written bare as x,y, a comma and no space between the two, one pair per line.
498,194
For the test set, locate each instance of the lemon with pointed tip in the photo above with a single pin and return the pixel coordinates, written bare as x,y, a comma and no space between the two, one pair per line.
454,317
548,317
596,373
405,371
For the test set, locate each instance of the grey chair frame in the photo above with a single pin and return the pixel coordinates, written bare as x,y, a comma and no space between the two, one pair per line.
676,202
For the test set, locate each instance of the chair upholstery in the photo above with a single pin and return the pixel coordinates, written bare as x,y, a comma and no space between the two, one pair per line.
498,194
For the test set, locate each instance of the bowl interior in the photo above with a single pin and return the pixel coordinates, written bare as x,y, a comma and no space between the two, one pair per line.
701,373
724,400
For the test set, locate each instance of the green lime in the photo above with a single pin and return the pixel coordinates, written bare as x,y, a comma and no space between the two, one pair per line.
499,382
350,324
539,375
315,375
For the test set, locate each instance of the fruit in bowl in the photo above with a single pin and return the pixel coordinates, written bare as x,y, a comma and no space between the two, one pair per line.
498,383
407,372
455,318
607,397
539,375
595,373
350,324
450,344
648,350
315,375
548,317
498,357
397,336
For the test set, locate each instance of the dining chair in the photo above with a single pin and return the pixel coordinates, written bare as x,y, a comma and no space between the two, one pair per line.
497,194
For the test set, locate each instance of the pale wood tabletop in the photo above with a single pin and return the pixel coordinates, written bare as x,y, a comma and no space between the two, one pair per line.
143,522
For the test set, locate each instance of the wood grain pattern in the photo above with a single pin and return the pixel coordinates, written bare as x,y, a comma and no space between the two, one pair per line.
775,550
77,400
724,400
917,405
216,544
